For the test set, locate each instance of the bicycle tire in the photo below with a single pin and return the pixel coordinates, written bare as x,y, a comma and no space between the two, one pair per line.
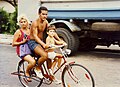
36,82
76,75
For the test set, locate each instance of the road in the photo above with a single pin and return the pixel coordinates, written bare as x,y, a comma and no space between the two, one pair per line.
103,63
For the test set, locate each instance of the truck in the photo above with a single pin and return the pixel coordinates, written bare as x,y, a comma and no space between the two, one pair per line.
82,24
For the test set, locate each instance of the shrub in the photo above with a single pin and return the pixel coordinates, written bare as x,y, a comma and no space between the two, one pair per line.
8,21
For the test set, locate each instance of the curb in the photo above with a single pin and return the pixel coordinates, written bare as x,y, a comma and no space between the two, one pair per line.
6,39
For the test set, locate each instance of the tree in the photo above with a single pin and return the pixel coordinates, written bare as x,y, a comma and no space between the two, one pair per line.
12,2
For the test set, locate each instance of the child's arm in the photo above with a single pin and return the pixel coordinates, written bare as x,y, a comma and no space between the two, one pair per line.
59,42
48,43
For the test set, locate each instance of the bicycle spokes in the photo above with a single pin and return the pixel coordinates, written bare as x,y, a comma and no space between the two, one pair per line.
35,81
75,75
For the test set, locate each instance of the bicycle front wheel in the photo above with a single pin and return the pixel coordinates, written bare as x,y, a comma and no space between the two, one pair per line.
36,82
75,75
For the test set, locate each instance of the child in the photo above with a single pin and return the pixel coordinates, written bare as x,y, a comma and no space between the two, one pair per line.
50,40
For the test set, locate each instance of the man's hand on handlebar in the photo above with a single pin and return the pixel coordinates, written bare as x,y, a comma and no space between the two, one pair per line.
46,46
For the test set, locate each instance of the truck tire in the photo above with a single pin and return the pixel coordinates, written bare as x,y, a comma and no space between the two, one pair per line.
106,26
70,38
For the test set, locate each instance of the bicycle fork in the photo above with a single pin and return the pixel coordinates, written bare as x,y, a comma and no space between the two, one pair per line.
72,74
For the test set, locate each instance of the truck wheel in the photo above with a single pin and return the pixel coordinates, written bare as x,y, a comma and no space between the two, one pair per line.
70,38
106,26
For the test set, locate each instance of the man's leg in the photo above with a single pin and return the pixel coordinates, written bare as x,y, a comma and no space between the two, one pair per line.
40,52
49,63
43,57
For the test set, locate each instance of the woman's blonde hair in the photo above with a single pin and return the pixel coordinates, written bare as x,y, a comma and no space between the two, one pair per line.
22,16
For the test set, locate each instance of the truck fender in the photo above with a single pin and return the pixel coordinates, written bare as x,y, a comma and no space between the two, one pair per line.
70,25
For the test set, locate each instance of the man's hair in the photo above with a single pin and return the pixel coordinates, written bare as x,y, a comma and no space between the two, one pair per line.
42,8
51,27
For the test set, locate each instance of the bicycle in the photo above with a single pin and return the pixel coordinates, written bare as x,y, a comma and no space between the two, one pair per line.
73,75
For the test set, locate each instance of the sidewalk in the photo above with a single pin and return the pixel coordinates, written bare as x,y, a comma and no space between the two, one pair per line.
6,39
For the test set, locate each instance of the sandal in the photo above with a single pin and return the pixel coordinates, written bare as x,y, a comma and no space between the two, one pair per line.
28,77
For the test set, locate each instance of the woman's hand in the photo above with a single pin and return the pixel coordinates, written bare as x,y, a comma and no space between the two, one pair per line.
24,40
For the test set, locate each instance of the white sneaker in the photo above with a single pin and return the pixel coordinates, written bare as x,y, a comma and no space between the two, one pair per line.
57,82
38,73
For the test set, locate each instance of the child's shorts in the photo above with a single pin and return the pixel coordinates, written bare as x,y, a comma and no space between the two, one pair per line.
51,55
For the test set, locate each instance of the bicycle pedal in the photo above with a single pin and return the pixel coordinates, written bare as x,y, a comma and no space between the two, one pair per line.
50,77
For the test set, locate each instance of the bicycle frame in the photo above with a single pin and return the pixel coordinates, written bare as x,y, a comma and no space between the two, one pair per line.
45,70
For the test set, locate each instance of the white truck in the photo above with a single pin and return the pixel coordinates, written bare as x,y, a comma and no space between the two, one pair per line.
83,24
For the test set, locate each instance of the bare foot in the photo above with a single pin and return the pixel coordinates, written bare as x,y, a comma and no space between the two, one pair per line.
28,77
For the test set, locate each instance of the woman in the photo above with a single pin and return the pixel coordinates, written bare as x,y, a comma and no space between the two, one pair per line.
21,36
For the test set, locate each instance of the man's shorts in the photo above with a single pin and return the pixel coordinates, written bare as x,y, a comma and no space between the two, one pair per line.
51,55
32,44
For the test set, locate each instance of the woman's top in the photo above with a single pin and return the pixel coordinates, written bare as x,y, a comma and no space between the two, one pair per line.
23,35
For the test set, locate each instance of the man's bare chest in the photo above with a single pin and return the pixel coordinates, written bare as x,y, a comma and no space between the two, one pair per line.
41,27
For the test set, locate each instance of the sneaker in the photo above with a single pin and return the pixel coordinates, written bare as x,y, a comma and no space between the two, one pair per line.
57,82
38,73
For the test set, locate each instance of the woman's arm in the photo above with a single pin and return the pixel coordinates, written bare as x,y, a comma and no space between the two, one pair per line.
15,38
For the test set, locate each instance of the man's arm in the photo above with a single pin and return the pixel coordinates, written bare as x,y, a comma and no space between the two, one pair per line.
35,34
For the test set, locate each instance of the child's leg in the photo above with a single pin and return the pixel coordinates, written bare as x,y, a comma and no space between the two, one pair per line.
53,64
59,62
59,59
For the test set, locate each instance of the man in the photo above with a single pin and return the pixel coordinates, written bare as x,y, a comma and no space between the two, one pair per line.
36,43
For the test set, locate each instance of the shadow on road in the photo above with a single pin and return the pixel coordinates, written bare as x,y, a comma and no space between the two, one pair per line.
101,53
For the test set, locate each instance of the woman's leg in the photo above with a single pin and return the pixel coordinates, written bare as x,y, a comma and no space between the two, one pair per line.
31,63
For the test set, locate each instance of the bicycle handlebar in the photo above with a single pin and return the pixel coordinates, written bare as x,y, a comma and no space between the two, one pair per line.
56,46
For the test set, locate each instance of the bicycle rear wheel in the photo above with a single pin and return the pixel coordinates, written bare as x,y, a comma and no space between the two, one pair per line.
75,75
36,82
